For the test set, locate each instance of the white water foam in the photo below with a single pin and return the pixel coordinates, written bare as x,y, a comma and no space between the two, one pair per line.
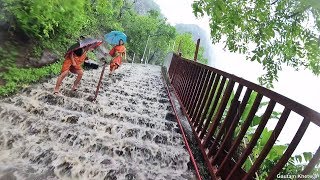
130,133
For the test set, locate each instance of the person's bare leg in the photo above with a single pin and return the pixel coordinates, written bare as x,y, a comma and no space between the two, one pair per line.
77,81
59,81
112,70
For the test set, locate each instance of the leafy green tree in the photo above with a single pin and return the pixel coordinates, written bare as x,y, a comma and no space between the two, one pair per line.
103,15
140,28
273,32
160,40
188,47
45,20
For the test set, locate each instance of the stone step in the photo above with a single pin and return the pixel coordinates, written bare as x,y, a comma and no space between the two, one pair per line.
129,133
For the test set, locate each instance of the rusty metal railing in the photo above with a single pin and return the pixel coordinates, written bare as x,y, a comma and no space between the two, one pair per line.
214,103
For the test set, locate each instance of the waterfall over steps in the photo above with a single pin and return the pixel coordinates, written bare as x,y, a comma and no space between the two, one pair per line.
129,133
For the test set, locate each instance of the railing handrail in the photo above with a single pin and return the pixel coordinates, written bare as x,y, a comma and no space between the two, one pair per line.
297,107
214,113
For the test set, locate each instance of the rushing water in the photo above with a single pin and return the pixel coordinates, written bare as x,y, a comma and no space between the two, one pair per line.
130,133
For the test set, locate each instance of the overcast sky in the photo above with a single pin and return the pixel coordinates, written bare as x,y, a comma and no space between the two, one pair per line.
302,86
180,11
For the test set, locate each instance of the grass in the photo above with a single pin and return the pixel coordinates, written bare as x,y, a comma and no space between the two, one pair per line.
17,78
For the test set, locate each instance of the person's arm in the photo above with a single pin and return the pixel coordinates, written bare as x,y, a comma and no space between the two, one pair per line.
72,59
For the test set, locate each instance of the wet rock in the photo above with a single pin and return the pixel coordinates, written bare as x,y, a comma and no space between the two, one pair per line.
36,110
119,153
33,131
65,168
52,99
25,155
45,157
90,98
146,111
128,151
106,161
161,139
158,156
169,126
131,120
162,101
111,175
46,59
147,136
10,143
177,130
71,119
141,121
147,154
150,125
132,133
127,109
170,117
130,176
132,101
73,94
108,130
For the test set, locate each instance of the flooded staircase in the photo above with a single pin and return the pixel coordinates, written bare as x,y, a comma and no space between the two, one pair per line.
129,133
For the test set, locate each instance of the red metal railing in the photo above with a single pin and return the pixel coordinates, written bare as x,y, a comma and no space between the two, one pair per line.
214,103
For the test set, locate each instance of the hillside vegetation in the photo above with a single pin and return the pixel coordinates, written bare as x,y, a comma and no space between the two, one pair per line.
34,30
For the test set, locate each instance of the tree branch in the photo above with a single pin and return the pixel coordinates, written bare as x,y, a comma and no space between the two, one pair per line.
298,12
274,2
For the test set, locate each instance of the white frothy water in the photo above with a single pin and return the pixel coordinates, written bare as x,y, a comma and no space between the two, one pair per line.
130,133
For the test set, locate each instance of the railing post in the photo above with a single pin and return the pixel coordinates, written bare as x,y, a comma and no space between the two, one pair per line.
179,48
145,48
134,54
220,124
197,50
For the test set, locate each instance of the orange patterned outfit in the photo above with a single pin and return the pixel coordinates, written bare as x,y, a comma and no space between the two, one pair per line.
67,64
117,52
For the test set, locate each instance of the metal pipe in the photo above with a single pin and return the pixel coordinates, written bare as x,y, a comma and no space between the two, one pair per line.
134,54
197,50
145,48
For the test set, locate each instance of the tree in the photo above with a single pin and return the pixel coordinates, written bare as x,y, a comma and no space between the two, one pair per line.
188,47
140,28
273,33
43,21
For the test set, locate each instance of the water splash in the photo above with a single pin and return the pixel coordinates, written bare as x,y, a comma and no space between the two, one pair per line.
130,133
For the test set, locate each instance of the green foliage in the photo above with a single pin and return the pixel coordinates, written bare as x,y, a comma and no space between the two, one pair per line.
103,15
153,27
91,55
59,21
272,33
188,47
55,25
16,77
44,20
8,55
295,165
